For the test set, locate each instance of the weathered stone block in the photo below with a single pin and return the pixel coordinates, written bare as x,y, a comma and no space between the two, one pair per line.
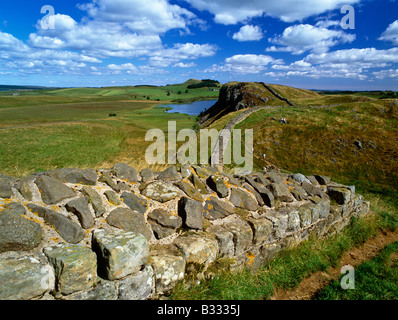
191,212
120,253
243,234
138,286
197,249
168,270
225,240
243,199
160,191
79,207
75,267
53,191
262,229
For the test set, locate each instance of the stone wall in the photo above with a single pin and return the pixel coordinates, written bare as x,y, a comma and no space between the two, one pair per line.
118,234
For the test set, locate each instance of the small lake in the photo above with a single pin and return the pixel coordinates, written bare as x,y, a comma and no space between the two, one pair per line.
191,109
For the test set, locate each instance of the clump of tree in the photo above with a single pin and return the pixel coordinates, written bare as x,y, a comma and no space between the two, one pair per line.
204,83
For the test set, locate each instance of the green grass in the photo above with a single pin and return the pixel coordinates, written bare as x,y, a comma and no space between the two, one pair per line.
289,267
376,279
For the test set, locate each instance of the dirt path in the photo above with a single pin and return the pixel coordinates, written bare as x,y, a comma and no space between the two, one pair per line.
356,256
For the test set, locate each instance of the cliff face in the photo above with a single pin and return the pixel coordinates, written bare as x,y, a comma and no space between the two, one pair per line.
235,96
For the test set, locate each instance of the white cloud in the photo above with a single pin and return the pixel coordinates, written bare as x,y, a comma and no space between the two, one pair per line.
248,33
142,16
234,11
304,37
185,65
244,64
391,33
348,63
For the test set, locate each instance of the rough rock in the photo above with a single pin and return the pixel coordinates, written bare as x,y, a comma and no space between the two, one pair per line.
216,209
75,267
53,191
243,199
70,231
243,234
146,175
169,175
138,286
198,184
95,199
103,290
125,172
191,212
165,218
129,220
112,197
217,184
134,202
225,240
18,233
79,207
190,190
24,278
5,188
160,191
120,253
168,270
340,194
262,229
197,249
186,171
24,188
281,192
73,175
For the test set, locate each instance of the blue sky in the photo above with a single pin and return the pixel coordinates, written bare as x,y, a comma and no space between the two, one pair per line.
128,42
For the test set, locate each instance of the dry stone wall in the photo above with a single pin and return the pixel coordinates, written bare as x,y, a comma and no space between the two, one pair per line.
118,234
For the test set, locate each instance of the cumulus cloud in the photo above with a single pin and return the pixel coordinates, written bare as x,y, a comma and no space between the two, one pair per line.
234,11
304,37
248,33
391,33
244,64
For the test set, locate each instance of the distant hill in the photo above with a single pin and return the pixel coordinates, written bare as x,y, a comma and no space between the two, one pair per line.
11,88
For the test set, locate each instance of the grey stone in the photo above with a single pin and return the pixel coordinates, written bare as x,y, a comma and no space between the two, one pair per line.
170,174
134,202
75,267
70,231
340,194
299,177
197,249
53,191
14,208
281,192
198,184
147,175
18,233
243,200
129,220
258,197
24,187
322,180
160,231
168,270
280,223
79,207
274,177
160,191
103,290
243,235
112,197
191,212
120,253
215,209
138,286
25,278
217,184
312,190
125,172
74,175
262,229
225,240
106,178
190,190
165,218
266,195
186,171
5,188
305,216
293,220
95,199
299,193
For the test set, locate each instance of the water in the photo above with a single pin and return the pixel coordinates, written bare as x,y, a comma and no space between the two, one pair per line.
191,109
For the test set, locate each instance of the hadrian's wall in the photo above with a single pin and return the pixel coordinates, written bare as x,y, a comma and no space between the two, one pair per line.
116,234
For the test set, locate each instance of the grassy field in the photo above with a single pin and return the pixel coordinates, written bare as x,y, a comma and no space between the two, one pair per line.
46,129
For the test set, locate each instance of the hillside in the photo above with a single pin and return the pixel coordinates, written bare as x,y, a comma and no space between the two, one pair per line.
235,96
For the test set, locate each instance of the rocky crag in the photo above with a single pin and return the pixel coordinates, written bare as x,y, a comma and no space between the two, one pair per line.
114,233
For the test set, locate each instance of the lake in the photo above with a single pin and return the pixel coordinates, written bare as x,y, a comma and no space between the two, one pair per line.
192,109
